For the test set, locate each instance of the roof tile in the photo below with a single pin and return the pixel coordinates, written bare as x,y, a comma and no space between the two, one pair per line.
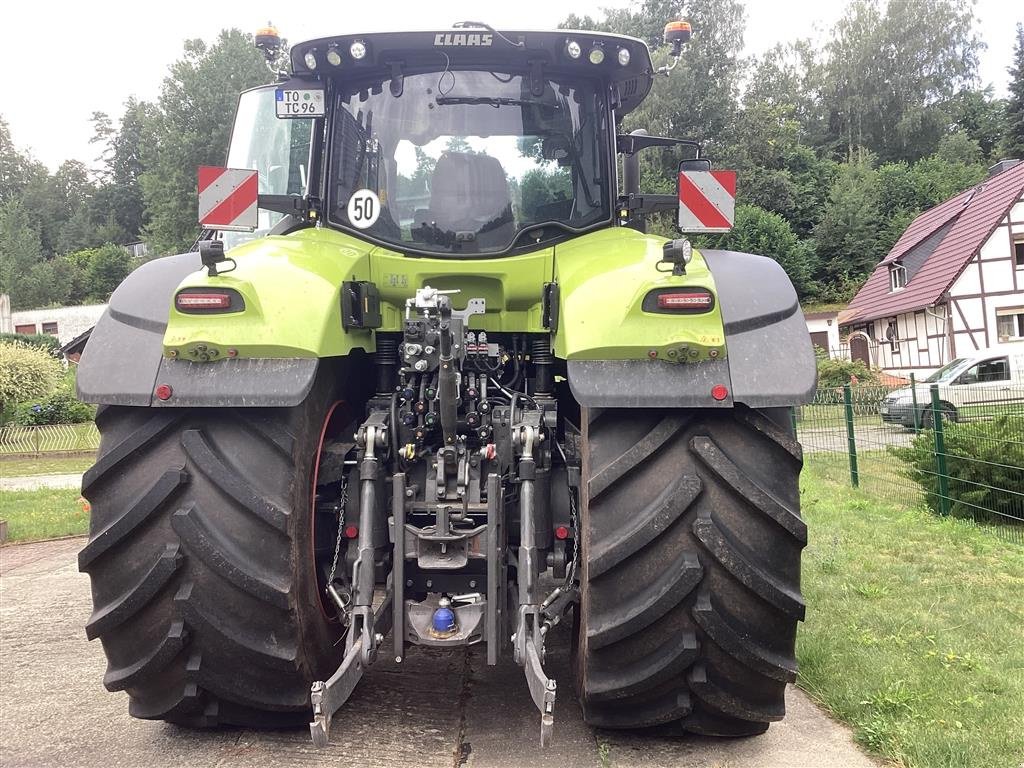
977,212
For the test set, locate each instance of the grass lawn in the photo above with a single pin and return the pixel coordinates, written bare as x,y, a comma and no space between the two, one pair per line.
914,631
45,514
44,465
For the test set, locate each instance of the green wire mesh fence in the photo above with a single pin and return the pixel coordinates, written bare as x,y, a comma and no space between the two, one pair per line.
959,449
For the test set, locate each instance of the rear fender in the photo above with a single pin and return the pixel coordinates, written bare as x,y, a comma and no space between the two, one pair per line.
265,355
123,361
755,344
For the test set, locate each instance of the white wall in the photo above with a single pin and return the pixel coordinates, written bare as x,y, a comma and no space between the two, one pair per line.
990,281
71,321
6,326
823,325
921,346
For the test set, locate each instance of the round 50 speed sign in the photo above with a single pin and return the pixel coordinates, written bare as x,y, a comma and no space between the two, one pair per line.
363,208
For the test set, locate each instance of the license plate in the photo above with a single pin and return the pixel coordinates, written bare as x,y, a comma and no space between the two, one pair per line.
300,102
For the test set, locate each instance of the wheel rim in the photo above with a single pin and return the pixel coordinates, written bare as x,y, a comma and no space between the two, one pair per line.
323,534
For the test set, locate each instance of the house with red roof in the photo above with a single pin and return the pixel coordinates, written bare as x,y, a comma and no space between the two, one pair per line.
952,284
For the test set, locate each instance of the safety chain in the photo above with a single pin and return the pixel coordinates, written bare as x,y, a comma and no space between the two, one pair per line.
574,521
341,530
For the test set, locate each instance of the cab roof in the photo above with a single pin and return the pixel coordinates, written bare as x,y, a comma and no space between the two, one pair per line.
390,53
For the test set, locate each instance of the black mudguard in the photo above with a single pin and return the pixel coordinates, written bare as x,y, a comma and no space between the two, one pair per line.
123,361
769,358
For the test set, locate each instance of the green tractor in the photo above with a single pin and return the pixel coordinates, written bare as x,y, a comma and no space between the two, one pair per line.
428,382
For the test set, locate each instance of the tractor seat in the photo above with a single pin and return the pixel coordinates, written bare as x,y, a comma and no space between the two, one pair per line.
469,193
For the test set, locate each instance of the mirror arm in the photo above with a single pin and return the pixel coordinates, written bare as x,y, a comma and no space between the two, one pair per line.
630,143
305,208
632,208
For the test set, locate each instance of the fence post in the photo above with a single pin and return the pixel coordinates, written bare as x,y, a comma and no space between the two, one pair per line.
851,440
35,439
792,418
913,393
940,451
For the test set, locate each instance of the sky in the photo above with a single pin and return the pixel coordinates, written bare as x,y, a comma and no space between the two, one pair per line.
79,57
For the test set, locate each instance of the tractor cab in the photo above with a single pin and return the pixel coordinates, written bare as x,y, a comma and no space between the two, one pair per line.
460,143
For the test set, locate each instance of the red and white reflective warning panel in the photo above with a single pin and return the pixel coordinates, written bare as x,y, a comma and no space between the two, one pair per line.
227,198
707,200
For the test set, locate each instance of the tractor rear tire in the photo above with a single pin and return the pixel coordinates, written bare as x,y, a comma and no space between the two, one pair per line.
200,557
691,568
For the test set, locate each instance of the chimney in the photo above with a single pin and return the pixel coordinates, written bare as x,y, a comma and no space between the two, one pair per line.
1002,165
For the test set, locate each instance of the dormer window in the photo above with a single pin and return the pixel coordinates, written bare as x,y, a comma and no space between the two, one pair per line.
897,277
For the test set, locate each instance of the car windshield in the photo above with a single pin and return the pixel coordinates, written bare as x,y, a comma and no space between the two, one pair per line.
948,371
465,162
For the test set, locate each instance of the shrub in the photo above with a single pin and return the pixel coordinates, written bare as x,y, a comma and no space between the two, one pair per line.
26,372
984,463
60,407
836,373
41,340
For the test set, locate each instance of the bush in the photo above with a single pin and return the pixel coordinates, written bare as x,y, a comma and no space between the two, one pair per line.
984,463
25,373
60,407
837,373
41,340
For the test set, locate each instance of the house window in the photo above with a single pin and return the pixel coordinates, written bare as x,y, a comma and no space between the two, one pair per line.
1010,323
25,328
892,335
50,328
897,277
1018,251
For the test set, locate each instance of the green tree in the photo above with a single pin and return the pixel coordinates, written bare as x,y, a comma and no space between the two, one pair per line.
540,187
981,117
1013,138
119,199
457,144
71,272
812,177
791,77
645,19
108,266
699,99
190,128
938,178
17,170
846,238
23,273
759,231
889,72
958,148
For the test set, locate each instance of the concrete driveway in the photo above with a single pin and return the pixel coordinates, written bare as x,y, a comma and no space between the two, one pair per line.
447,709
38,482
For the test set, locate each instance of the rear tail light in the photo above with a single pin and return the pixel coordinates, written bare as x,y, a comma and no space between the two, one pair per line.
208,301
685,301
679,300
203,301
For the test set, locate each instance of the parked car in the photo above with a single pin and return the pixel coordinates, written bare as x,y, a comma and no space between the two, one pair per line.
966,386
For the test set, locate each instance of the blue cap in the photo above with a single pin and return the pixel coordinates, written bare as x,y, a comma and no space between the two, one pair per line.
443,621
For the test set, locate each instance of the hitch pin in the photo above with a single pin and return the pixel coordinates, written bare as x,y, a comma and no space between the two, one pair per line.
341,602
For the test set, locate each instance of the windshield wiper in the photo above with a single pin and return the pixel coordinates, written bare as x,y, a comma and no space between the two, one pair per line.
494,101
